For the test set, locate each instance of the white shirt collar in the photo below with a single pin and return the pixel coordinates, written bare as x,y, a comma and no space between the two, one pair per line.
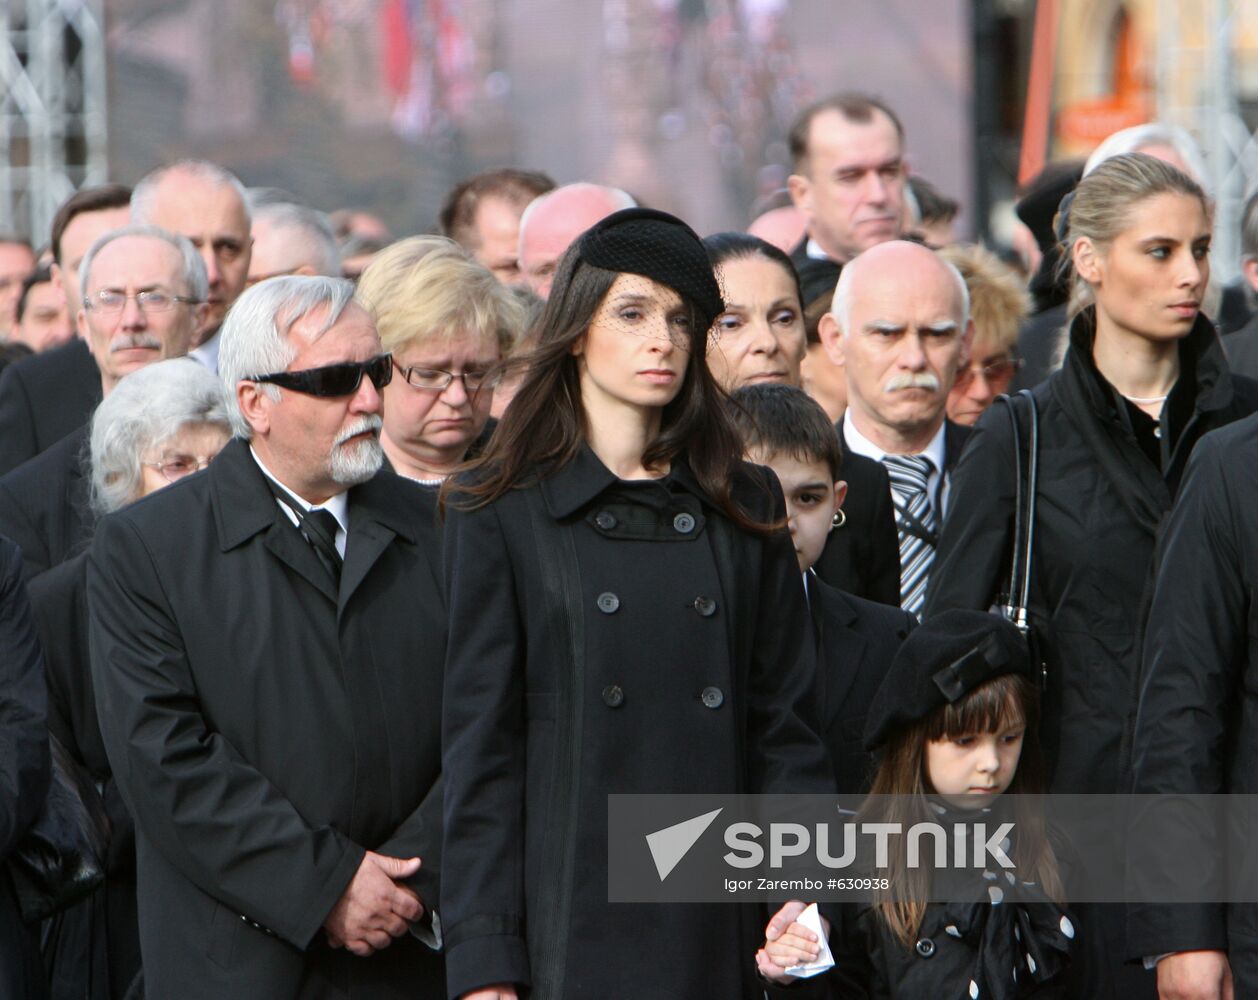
813,250
336,505
857,442
207,354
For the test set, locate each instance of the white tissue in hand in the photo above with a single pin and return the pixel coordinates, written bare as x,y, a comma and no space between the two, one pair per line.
811,919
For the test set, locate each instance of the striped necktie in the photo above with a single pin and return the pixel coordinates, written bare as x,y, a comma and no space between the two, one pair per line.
915,523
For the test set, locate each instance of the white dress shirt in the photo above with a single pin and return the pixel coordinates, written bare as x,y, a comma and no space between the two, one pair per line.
337,506
856,442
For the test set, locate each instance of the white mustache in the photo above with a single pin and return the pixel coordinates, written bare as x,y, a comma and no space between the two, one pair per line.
128,341
371,422
914,380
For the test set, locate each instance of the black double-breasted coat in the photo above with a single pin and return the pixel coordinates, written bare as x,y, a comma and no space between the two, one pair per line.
610,637
265,728
1100,504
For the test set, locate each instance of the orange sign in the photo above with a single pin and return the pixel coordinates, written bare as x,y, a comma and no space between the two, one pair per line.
1086,123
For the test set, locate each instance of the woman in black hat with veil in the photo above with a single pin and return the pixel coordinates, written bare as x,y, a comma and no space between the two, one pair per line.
629,612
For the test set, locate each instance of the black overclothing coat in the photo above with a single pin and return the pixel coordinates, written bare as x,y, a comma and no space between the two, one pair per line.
45,504
24,769
44,398
1197,724
1100,503
613,638
93,947
862,555
1242,349
265,728
855,640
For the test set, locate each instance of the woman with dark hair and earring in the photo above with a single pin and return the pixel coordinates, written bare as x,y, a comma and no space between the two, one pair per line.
759,338
630,617
1143,379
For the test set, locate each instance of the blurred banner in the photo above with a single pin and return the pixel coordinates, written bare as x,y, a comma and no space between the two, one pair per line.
384,104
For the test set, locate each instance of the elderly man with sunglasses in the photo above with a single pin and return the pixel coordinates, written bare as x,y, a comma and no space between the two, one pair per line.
267,644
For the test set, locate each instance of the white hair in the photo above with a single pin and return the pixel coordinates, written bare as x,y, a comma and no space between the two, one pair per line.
145,410
254,338
313,230
196,282
841,304
145,192
1140,137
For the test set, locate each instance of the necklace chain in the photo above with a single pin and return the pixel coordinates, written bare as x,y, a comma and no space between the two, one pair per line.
1146,400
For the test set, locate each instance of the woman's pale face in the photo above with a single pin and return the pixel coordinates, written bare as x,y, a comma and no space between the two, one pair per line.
191,448
637,346
1150,280
439,423
760,337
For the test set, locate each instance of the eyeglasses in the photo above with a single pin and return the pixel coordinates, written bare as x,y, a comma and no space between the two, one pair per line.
109,300
333,380
435,380
998,374
174,469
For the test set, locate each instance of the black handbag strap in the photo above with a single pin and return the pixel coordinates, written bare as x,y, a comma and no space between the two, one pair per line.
1026,487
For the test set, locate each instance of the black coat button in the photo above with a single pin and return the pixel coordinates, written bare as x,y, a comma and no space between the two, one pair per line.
608,603
605,520
712,697
706,606
925,947
685,523
613,696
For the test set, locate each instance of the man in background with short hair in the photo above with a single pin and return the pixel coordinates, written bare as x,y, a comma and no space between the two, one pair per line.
292,239
848,181
44,398
42,319
142,291
552,222
17,260
206,204
483,214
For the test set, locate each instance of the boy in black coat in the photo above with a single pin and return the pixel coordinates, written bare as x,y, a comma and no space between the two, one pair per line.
854,639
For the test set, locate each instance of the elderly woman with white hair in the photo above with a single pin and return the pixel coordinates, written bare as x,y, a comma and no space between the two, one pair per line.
159,425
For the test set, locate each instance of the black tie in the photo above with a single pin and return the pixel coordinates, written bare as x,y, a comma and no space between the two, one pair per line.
319,528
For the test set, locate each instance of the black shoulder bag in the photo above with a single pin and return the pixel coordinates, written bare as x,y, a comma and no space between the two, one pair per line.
61,858
1017,605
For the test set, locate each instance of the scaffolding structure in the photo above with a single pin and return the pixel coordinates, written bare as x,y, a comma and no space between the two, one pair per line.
1198,90
52,108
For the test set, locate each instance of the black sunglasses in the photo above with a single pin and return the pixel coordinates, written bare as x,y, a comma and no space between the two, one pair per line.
333,380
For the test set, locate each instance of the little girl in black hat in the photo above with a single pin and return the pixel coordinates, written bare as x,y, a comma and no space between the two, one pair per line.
954,724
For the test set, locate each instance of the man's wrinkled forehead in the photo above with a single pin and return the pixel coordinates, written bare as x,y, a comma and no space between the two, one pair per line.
182,198
921,296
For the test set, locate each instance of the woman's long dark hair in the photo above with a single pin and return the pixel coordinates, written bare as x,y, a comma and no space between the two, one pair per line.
545,424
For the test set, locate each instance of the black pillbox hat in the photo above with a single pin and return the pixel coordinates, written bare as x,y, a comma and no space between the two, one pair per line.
942,660
658,246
